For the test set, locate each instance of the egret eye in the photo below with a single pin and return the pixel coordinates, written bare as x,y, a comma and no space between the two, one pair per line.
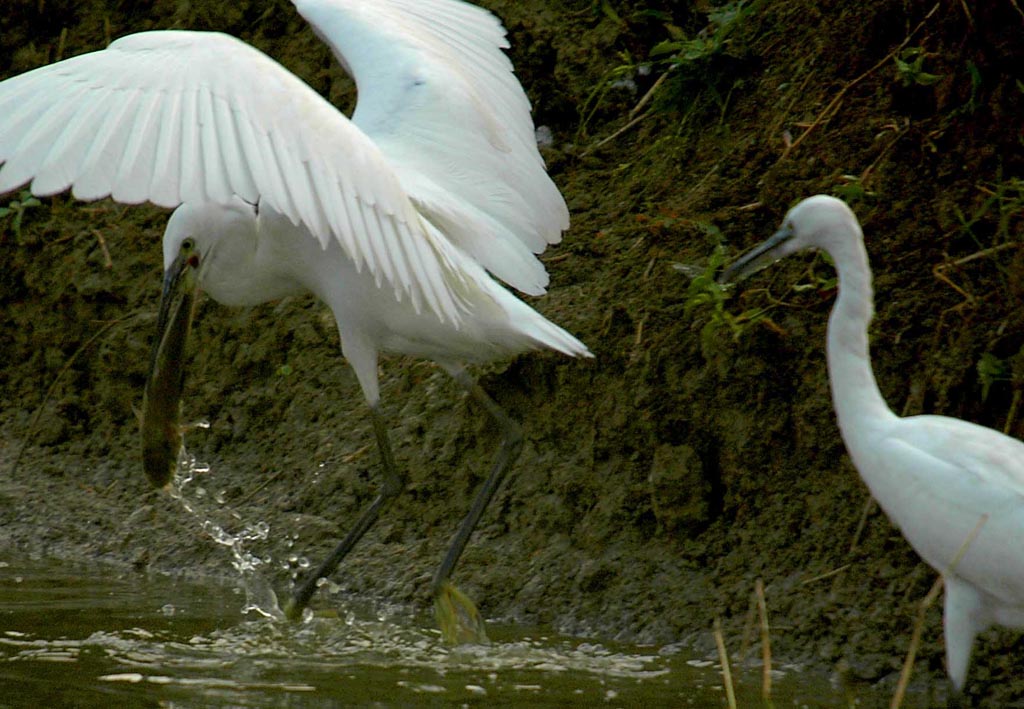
188,245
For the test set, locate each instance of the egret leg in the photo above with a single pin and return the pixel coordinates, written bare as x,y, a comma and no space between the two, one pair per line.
962,620
457,616
394,483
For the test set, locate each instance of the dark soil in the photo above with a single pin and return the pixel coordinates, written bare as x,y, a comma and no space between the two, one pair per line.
691,457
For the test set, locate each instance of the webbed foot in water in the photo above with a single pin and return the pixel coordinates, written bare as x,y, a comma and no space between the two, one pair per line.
458,618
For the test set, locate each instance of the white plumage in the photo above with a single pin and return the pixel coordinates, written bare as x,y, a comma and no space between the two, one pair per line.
392,218
955,489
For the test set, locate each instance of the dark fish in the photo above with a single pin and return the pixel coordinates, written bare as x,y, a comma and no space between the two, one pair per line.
161,401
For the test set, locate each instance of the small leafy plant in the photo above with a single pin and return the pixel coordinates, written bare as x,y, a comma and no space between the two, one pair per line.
707,294
991,369
17,208
681,50
909,68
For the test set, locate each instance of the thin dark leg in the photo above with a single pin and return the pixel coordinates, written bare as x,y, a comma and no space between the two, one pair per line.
394,483
468,627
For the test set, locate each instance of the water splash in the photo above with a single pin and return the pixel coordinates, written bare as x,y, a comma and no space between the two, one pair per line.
260,597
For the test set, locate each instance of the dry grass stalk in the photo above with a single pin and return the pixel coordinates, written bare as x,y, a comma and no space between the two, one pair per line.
107,262
869,505
766,645
833,107
915,642
723,658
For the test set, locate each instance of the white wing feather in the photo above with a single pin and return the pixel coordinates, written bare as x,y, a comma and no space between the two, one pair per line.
440,99
934,468
174,116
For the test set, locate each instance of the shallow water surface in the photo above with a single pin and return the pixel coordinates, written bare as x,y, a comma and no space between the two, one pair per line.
71,636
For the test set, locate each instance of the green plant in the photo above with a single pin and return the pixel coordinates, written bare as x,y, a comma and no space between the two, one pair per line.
975,74
1004,200
686,60
703,59
909,67
991,369
852,189
17,207
614,77
707,294
682,51
603,7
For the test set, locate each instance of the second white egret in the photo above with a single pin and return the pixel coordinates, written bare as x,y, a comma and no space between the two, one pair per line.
955,489
392,218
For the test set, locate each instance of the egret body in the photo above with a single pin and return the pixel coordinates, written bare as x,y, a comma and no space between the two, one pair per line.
955,489
397,219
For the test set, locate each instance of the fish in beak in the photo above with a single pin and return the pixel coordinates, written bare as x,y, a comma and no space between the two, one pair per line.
161,400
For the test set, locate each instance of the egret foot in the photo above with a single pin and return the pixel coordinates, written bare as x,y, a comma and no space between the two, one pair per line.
458,618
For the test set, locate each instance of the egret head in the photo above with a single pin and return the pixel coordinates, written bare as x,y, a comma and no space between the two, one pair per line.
816,222
196,237
216,231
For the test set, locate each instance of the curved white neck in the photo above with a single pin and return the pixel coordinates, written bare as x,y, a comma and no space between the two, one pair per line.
855,394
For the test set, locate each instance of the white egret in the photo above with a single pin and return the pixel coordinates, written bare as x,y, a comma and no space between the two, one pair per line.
392,218
955,489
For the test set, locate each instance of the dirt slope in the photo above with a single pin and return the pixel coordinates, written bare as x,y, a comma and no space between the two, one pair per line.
697,452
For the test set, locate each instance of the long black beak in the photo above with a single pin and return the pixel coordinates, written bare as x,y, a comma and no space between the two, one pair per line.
161,402
764,254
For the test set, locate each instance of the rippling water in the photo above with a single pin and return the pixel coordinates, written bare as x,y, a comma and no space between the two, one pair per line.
75,636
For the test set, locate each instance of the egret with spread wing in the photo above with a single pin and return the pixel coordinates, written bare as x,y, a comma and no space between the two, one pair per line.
955,489
393,218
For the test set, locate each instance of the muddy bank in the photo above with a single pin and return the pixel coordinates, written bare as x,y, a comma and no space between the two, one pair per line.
697,452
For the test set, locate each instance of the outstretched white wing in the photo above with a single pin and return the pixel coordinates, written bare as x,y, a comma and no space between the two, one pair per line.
440,99
175,116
